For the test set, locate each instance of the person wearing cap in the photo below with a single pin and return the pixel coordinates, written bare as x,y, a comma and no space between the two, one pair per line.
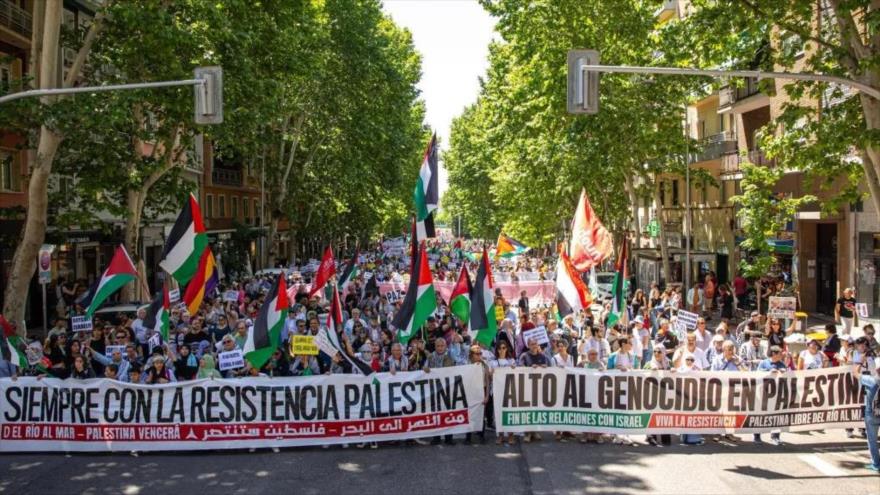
772,364
752,352
869,379
811,358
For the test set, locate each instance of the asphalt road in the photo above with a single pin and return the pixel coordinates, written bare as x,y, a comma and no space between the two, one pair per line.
818,462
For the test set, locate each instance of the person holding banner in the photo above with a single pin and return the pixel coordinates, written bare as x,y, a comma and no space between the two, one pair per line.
475,356
157,372
811,358
81,370
186,366
772,364
869,379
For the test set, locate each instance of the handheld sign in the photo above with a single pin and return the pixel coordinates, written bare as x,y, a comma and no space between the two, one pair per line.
108,351
230,296
154,342
539,334
230,360
862,310
303,344
81,323
781,307
173,296
689,319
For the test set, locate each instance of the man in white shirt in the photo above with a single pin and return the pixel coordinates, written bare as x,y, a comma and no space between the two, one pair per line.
752,351
690,349
703,335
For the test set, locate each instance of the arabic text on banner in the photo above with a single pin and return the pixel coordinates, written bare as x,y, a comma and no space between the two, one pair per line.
106,415
578,400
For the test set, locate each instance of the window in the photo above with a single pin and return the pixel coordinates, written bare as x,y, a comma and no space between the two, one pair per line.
221,207
256,210
662,194
9,173
675,192
5,78
234,207
209,206
245,209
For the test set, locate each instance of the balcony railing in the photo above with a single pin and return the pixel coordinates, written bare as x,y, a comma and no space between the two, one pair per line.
715,146
224,177
15,19
729,95
759,158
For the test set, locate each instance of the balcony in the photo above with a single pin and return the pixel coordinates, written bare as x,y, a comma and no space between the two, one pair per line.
226,177
758,157
729,95
715,146
15,19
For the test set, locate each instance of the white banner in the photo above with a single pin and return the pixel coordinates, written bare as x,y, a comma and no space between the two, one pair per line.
643,402
106,415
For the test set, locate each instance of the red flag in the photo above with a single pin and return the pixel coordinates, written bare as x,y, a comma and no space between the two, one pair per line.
590,240
325,271
8,328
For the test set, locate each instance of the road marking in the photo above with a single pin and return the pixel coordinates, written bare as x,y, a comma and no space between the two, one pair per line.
821,466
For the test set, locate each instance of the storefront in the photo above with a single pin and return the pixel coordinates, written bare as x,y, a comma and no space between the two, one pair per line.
868,290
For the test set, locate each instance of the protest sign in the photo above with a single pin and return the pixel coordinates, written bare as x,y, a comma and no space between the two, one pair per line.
679,328
539,334
81,323
107,415
173,296
303,344
108,351
862,310
689,319
781,307
578,400
230,296
230,360
154,341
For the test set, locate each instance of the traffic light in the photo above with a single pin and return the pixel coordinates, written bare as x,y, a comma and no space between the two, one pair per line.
209,96
583,86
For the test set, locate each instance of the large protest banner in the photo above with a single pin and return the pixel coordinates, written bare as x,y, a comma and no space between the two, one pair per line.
106,415
578,400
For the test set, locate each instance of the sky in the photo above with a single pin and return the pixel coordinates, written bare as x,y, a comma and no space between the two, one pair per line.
453,38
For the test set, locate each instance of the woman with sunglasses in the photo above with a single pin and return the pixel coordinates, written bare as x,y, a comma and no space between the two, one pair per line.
775,335
503,358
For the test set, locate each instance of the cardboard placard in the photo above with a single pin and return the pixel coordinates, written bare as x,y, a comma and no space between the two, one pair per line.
539,334
81,323
173,296
303,344
781,307
230,360
689,319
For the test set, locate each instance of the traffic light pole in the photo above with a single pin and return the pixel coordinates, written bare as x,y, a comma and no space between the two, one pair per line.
673,71
97,89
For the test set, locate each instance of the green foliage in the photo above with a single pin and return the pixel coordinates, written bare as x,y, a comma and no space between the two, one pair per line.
763,215
517,161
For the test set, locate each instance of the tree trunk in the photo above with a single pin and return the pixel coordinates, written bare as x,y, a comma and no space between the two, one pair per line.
871,166
270,241
664,254
24,260
631,192
135,205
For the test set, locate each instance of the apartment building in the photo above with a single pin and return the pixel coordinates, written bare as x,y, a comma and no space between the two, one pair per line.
821,252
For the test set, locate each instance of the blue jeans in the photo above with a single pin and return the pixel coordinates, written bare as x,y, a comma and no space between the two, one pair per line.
690,438
872,424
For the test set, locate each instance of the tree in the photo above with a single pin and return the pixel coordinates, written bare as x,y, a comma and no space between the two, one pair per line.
517,160
826,131
44,66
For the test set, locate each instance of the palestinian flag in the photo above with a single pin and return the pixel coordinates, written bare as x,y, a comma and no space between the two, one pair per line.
507,247
482,320
120,272
263,338
203,282
185,244
572,294
334,328
619,289
419,303
426,196
460,300
158,314
349,274
17,356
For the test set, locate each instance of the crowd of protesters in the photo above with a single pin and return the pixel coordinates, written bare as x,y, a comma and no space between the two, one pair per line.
649,337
